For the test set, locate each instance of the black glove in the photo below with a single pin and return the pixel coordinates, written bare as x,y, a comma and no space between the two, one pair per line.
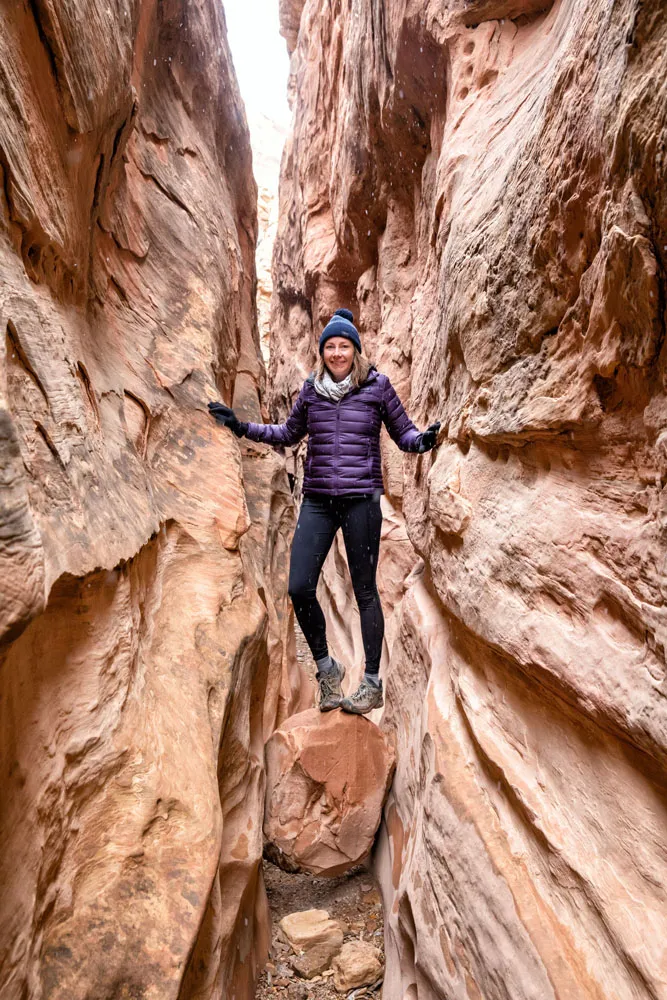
429,437
226,416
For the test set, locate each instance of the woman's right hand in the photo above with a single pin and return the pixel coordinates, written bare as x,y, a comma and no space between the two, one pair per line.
226,416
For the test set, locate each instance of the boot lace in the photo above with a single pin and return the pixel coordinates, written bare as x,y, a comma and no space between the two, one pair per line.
328,685
363,693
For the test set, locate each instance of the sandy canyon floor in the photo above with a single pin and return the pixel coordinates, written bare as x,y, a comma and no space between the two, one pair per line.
353,898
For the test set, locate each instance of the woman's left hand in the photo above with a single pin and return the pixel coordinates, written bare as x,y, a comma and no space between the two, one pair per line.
429,437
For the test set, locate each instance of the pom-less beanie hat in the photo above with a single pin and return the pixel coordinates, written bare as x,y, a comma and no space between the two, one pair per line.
341,325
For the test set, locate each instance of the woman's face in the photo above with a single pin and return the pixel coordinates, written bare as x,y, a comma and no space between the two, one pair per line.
338,354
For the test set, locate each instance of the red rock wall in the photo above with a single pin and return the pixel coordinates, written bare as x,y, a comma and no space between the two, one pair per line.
142,551
484,184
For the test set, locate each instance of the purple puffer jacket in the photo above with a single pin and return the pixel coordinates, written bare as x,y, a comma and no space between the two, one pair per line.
343,438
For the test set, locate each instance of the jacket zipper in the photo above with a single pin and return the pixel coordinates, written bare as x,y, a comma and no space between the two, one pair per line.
337,451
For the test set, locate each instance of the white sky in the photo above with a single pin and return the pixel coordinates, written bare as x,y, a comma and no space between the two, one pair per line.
260,57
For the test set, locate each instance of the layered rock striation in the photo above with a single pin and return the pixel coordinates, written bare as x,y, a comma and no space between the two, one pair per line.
142,550
484,185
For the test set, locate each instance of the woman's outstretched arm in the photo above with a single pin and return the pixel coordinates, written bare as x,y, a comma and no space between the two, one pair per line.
286,434
401,428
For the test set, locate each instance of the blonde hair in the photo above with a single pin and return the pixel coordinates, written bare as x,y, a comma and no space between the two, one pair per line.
359,371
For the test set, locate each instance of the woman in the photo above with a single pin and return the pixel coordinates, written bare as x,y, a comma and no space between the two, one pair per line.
341,408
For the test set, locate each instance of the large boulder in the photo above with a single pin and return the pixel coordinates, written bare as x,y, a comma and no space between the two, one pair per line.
327,779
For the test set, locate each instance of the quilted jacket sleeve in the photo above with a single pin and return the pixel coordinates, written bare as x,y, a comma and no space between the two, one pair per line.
396,420
285,434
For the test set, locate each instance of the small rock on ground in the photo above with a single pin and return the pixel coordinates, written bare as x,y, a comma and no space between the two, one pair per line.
306,928
357,964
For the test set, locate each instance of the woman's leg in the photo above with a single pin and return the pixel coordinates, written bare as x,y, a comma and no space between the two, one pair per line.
315,531
361,522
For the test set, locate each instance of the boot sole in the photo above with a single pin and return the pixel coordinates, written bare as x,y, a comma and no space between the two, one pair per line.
356,711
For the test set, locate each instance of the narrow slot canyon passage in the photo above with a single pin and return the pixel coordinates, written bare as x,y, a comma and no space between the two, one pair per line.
475,193
327,931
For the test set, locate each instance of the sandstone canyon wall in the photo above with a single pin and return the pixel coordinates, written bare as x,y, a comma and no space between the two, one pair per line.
142,551
484,184
268,138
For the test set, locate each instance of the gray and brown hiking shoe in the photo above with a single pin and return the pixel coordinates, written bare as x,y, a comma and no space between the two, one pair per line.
330,690
364,699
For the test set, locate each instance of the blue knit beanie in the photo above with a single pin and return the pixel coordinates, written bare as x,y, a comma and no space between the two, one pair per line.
341,325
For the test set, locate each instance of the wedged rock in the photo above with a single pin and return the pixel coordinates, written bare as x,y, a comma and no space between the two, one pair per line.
327,779
357,964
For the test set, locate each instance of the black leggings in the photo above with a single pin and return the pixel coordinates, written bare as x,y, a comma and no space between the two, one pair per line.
319,520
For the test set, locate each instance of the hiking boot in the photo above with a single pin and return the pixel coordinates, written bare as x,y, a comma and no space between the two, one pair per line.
330,690
364,699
